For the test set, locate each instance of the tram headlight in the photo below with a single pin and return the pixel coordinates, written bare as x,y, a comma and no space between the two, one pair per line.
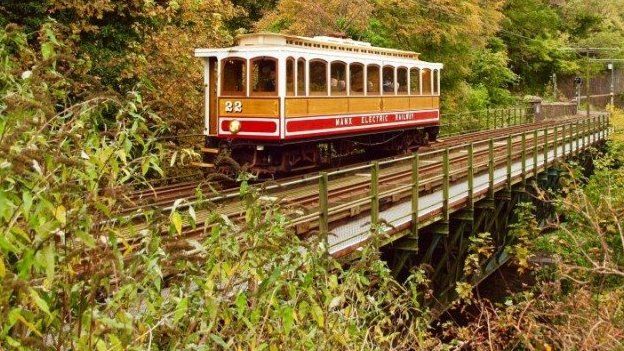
235,126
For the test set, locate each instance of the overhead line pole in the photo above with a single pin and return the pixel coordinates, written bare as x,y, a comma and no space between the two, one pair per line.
587,80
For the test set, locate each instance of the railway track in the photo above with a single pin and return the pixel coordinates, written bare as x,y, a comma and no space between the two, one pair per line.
165,196
348,187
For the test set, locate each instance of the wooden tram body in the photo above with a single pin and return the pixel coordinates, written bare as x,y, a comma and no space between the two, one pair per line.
280,103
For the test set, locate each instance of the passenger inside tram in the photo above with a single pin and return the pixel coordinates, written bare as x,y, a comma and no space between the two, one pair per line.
264,74
357,79
388,86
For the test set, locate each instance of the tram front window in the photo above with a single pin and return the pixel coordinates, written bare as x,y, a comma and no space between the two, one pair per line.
234,74
264,76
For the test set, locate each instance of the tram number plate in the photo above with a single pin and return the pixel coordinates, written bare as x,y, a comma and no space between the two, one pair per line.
233,107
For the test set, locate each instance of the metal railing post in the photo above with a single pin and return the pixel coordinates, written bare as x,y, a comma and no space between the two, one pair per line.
535,152
556,143
509,163
415,194
487,118
445,184
584,133
523,158
563,140
471,175
576,136
323,204
491,169
545,148
496,113
374,193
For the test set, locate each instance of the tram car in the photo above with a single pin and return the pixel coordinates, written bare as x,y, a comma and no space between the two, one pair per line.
279,103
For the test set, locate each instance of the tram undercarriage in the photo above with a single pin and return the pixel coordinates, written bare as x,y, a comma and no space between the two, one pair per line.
271,160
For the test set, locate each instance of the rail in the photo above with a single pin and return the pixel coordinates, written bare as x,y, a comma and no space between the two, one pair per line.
394,197
487,119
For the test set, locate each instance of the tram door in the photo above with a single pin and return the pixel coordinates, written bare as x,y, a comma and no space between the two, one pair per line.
212,96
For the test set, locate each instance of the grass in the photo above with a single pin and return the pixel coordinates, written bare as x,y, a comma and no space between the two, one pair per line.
617,120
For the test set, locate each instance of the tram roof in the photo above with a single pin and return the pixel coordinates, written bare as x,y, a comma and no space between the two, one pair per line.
321,44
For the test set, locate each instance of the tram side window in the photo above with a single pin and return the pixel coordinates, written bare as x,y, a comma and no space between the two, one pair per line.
372,77
357,78
436,86
388,80
402,80
426,81
338,78
415,81
233,77
318,77
264,76
290,76
301,69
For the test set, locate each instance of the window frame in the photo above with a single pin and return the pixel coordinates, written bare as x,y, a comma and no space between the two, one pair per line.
363,82
429,90
346,80
379,78
222,91
293,75
326,90
383,72
253,93
303,89
407,82
418,76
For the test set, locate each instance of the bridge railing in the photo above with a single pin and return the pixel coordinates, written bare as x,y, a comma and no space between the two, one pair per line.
425,186
473,121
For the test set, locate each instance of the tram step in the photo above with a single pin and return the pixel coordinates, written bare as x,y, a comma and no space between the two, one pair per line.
210,150
203,165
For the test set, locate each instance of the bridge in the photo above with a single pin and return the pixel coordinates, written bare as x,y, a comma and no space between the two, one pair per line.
420,208
424,207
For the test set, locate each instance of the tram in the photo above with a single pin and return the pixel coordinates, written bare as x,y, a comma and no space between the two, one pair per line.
280,103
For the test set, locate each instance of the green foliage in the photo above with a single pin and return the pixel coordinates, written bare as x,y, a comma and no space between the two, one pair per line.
72,278
576,300
591,241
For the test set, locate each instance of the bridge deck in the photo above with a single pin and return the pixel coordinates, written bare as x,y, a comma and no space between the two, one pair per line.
351,235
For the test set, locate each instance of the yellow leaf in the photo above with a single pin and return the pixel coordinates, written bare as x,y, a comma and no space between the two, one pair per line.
2,267
39,302
61,214
317,314
176,219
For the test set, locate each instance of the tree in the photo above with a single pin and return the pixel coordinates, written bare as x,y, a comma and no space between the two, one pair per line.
452,32
309,18
532,32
